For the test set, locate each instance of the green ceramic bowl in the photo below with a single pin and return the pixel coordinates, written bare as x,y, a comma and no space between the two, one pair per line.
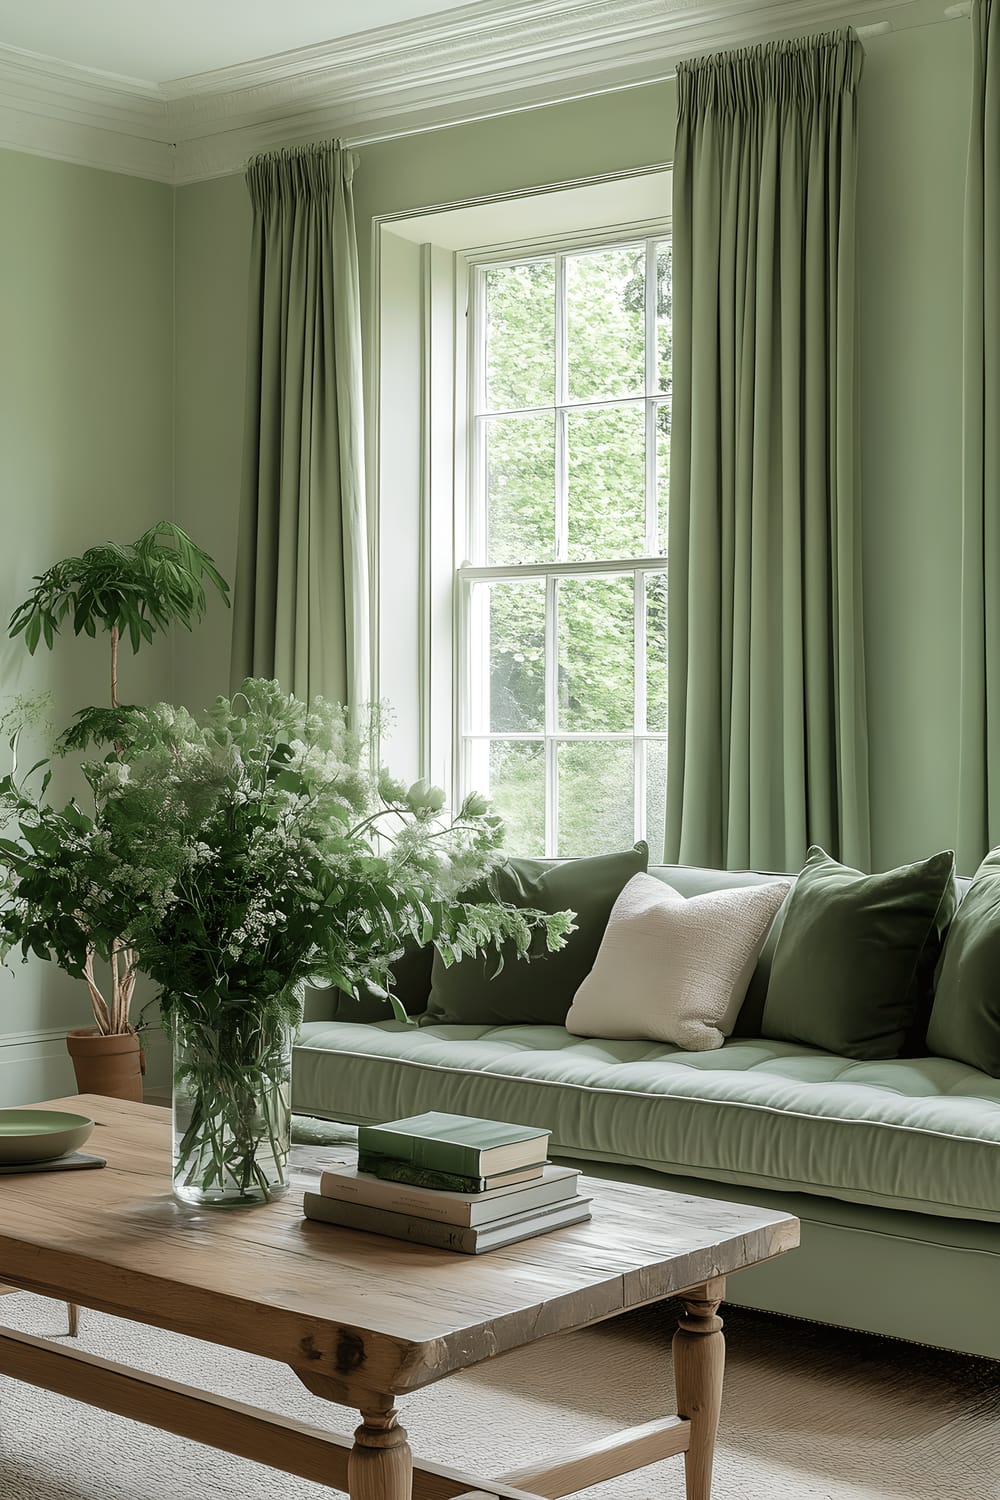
40,1134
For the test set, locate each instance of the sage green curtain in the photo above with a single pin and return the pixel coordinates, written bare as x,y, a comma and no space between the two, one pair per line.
767,731
301,606
979,776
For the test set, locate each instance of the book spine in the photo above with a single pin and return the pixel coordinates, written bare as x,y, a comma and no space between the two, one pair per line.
448,1208
421,1151
395,1198
396,1226
391,1169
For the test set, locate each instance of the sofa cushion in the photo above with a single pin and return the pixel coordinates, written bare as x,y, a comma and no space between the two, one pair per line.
921,1134
856,957
675,969
965,1021
541,990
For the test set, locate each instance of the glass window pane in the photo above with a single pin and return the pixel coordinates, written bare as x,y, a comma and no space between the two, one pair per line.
664,308
606,469
656,798
517,791
656,652
605,323
596,797
520,489
663,471
520,336
596,654
508,634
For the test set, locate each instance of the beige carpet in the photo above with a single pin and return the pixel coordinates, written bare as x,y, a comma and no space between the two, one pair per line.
810,1414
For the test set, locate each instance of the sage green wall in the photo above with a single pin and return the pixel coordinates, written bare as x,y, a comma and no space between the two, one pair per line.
914,123
86,453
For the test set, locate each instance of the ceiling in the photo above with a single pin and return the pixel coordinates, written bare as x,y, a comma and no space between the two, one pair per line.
154,41
179,91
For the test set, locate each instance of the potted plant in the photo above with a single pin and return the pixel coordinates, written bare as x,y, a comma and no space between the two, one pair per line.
259,851
130,593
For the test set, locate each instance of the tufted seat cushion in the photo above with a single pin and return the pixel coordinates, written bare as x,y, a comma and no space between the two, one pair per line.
920,1134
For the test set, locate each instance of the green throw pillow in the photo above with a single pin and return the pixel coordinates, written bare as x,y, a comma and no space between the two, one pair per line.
856,956
965,1021
540,991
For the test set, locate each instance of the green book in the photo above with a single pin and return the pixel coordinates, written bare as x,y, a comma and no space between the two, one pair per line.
392,1170
456,1143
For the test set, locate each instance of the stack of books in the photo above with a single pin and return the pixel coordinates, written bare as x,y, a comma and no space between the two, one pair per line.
452,1181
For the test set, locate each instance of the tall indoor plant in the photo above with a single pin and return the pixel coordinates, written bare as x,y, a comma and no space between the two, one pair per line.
269,855
130,593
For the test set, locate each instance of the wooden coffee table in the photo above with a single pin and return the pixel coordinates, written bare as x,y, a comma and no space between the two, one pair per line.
361,1319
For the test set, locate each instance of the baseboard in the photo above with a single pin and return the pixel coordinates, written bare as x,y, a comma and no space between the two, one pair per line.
35,1065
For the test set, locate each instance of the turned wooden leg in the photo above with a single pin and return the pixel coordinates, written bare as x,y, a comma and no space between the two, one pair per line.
699,1358
380,1466
73,1313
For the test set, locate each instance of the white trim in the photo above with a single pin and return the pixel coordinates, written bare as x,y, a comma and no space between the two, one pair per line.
448,68
36,1038
536,736
604,568
35,1064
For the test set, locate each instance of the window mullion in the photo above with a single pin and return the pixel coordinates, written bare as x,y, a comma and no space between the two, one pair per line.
477,521
562,387
639,711
650,303
649,309
551,716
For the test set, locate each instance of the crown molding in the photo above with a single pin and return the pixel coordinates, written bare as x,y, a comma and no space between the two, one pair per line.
449,68
94,119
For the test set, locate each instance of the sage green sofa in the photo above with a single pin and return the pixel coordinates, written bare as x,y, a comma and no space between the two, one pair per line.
893,1167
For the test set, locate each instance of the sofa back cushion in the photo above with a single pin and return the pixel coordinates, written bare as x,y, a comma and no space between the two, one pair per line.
965,1020
855,962
414,980
675,968
541,991
697,880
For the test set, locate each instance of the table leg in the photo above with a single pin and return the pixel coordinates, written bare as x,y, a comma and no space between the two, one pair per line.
699,1359
381,1465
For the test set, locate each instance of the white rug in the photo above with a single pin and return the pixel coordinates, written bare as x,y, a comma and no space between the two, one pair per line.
810,1414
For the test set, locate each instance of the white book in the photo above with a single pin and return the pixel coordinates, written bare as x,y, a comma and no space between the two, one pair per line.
468,1239
348,1185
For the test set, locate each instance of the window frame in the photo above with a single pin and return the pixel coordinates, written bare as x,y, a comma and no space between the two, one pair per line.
470,565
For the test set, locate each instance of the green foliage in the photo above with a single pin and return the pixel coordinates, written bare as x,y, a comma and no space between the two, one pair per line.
155,582
93,727
248,852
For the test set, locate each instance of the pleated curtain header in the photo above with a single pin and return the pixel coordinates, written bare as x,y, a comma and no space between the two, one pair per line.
300,172
804,71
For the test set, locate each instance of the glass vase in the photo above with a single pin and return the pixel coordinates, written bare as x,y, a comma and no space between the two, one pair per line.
231,1109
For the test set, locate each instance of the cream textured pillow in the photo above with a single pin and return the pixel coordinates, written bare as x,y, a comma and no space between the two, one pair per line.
671,969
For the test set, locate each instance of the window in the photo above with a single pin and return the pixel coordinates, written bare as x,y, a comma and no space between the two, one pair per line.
561,702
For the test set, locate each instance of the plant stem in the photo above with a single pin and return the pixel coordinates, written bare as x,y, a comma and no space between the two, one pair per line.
231,1082
114,666
101,1014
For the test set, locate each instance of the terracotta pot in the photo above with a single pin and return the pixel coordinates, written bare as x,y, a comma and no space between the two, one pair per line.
108,1065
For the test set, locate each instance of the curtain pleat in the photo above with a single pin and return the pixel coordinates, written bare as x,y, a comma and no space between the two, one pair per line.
767,728
301,604
979,771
